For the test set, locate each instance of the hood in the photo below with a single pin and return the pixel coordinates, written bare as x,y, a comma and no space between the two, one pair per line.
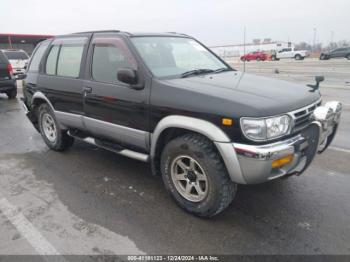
263,96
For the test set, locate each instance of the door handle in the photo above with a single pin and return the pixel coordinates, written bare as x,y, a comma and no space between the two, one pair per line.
87,89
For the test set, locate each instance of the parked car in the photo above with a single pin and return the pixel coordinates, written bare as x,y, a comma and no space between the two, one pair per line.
343,52
289,53
258,56
168,100
18,59
7,80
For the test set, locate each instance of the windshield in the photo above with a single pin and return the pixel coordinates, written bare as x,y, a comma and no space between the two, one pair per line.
16,55
174,56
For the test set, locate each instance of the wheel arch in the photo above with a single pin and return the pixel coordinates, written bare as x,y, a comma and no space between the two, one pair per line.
39,98
176,125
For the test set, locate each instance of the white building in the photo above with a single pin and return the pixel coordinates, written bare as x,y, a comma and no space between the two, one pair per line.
238,50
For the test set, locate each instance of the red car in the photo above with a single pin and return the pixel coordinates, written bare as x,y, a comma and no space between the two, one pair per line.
258,56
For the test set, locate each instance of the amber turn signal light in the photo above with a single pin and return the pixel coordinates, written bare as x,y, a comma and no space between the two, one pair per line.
227,122
282,161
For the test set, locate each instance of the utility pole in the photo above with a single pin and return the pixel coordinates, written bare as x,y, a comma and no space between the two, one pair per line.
314,42
332,36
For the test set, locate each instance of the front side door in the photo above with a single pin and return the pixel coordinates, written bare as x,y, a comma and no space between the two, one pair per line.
114,110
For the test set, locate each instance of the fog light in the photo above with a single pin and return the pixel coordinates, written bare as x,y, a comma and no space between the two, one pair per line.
282,161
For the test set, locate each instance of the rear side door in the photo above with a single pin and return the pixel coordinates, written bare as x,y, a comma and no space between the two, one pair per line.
61,78
30,83
114,110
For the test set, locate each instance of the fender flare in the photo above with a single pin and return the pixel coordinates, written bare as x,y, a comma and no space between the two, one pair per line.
39,95
214,133
200,126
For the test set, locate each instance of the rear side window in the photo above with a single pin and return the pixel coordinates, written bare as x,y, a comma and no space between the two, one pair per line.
69,60
107,59
36,58
51,60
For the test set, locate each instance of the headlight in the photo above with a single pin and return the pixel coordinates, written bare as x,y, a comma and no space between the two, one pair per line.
265,128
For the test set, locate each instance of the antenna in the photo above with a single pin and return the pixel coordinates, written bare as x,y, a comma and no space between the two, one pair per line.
244,48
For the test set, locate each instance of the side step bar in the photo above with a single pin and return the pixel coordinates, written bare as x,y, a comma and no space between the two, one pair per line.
111,147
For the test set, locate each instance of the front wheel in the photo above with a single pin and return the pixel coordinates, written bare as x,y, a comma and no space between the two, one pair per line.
195,176
54,137
348,57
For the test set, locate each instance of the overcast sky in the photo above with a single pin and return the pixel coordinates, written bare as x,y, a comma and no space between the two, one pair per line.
214,22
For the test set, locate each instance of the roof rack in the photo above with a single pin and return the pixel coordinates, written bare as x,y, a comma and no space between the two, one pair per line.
176,33
99,31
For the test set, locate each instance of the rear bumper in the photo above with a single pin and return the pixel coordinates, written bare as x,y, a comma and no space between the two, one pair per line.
252,164
7,85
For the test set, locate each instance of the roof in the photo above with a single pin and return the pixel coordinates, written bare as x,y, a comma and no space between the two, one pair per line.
133,33
22,38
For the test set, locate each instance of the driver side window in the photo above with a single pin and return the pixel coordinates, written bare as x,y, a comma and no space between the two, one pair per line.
107,59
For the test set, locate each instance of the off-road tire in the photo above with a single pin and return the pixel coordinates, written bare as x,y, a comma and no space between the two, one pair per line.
12,93
221,190
63,140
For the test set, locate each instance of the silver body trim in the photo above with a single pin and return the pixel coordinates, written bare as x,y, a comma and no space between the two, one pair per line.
69,120
116,132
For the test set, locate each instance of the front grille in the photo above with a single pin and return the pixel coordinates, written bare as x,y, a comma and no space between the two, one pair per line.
302,117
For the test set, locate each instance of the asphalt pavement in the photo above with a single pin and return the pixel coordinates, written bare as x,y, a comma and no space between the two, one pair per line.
91,201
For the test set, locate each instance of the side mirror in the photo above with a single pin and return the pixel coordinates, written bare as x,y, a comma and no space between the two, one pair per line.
127,75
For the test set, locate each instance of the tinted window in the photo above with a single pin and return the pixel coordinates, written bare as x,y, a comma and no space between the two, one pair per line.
16,55
52,60
36,58
107,59
69,60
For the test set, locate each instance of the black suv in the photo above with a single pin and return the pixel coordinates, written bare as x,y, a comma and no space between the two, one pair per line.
7,79
343,52
168,100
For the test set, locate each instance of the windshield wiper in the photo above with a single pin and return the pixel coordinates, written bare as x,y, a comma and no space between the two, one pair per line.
224,69
196,72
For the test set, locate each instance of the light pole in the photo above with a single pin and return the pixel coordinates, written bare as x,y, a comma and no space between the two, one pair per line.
314,42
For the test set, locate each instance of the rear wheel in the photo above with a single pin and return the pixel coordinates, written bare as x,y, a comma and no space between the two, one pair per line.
195,176
297,57
12,93
54,137
348,56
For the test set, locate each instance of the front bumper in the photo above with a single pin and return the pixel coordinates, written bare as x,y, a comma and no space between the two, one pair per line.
251,164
